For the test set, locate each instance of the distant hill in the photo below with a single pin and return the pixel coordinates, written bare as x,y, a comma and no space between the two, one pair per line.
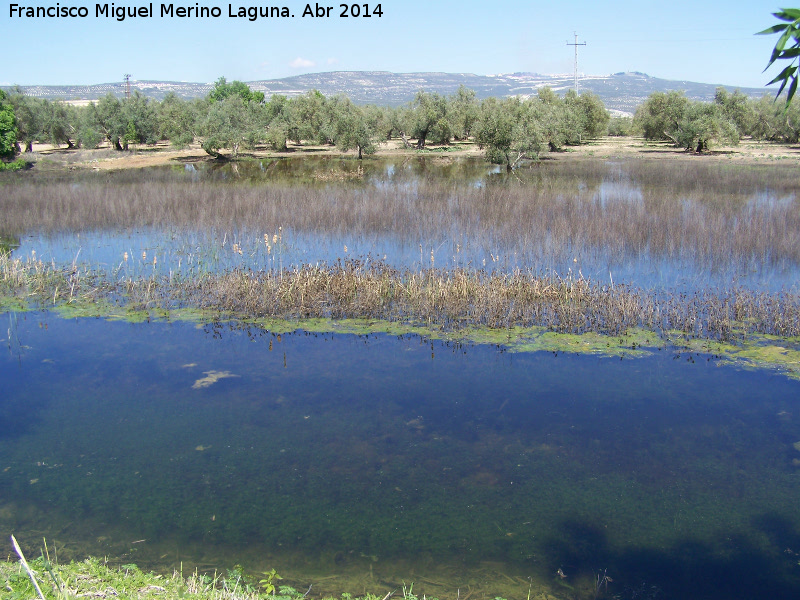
621,92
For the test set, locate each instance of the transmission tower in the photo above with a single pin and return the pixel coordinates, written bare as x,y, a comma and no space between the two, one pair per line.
128,84
576,44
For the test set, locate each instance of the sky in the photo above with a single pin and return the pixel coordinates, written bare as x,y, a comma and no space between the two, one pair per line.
703,41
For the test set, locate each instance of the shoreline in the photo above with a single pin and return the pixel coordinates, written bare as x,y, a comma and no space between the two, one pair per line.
104,158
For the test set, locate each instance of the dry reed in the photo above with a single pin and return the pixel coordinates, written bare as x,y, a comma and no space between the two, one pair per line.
448,299
712,216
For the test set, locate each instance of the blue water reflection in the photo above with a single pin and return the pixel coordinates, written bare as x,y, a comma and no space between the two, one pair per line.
454,235
381,449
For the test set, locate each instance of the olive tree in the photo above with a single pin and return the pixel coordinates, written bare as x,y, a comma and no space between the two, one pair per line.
223,90
737,108
312,117
703,124
110,120
509,130
658,117
138,114
231,124
619,126
687,124
352,129
382,121
176,121
774,122
590,112
233,118
278,117
28,117
8,128
551,115
89,130
57,123
428,119
463,112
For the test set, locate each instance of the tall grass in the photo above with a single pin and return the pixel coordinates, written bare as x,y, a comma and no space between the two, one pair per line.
715,216
712,216
443,298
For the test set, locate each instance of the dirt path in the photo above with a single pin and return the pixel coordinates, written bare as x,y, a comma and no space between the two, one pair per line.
163,154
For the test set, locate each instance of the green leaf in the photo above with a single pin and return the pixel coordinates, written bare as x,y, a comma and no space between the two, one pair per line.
773,29
792,90
783,39
788,14
783,85
784,75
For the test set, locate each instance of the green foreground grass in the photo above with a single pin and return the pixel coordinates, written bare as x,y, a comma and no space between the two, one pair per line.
93,578
46,579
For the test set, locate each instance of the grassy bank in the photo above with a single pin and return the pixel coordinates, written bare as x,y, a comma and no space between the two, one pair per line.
45,578
95,578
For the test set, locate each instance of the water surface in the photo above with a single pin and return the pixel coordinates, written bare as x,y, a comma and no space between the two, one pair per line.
672,225
403,458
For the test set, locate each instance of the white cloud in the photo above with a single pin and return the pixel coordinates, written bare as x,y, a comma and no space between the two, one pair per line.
301,63
332,61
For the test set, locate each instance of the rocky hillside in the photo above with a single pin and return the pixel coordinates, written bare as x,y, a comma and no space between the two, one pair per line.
621,92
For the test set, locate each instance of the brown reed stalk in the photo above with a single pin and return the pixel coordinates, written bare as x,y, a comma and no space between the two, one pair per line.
710,214
451,298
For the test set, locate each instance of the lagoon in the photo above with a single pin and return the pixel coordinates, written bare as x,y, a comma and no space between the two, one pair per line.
676,226
326,454
360,454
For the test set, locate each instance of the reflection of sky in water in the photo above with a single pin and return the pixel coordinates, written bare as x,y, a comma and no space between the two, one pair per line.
193,252
477,245
390,447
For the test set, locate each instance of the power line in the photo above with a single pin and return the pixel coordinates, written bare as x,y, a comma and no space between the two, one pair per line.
576,44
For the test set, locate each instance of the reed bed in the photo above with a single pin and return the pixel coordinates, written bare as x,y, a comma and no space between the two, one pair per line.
448,299
736,219
714,217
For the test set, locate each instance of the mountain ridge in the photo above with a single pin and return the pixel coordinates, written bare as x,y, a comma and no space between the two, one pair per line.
621,92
